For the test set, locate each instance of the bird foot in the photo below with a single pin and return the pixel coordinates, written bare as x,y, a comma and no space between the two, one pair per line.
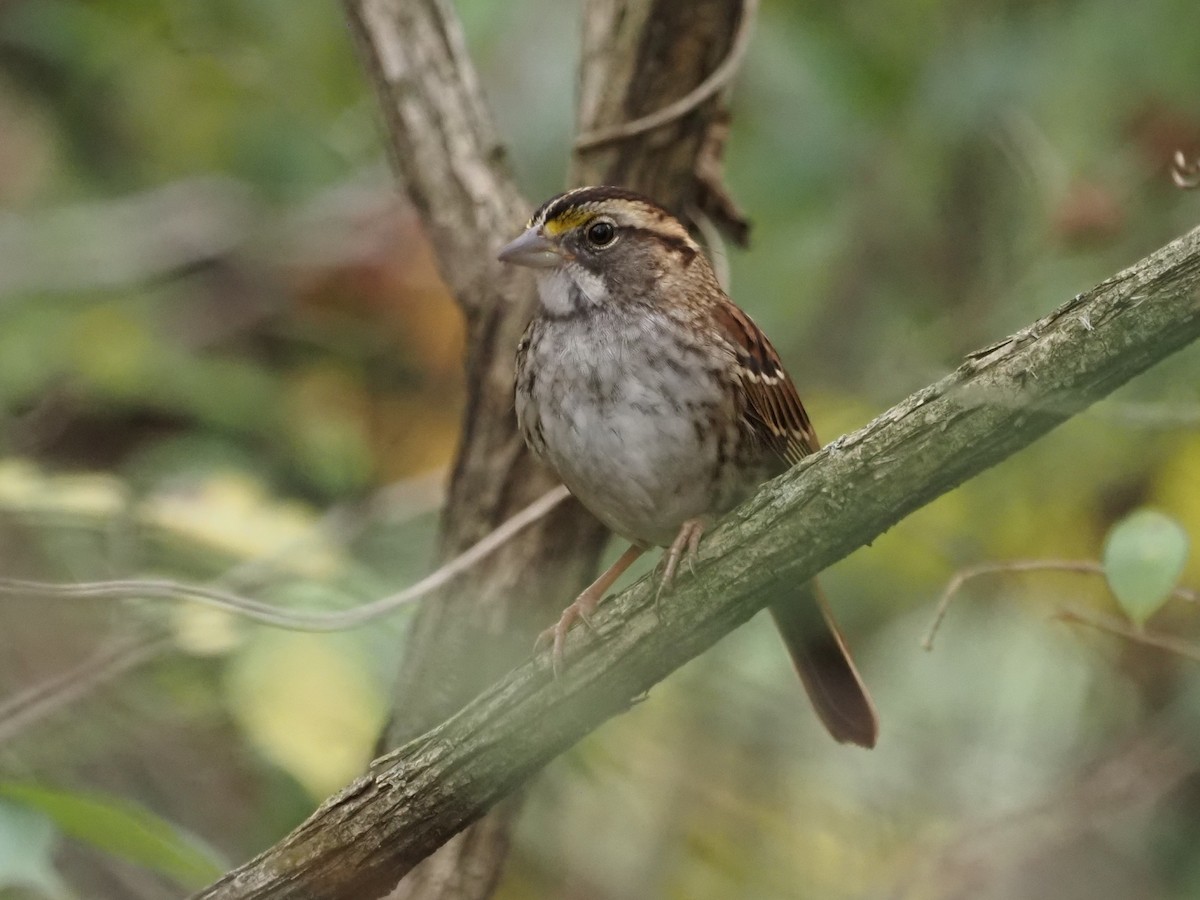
582,608
556,635
684,547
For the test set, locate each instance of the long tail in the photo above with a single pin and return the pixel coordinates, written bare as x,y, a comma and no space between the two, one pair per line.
834,686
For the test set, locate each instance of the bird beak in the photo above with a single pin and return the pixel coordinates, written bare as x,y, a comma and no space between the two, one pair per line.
532,249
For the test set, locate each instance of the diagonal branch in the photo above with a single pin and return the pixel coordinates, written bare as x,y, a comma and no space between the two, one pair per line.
1000,400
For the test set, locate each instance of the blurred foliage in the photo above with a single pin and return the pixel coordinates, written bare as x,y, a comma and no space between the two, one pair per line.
225,355
122,829
26,845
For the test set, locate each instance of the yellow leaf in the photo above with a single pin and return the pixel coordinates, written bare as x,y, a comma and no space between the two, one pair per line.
233,513
308,704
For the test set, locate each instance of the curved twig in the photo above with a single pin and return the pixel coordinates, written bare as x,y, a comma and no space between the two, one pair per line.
45,698
267,614
1112,625
718,79
1074,566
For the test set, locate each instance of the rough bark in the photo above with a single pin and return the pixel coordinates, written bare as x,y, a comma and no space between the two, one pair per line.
999,400
638,57
450,161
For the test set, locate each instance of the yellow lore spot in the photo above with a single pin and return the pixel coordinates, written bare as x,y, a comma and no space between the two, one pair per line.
565,221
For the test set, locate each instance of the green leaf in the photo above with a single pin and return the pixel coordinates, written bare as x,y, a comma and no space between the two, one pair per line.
1143,558
26,844
123,829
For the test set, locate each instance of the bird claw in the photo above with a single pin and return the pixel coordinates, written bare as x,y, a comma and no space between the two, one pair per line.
556,634
582,609
685,546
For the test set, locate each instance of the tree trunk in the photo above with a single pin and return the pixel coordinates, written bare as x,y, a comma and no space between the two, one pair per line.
639,56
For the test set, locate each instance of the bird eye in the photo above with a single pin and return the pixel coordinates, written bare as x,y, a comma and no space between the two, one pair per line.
601,234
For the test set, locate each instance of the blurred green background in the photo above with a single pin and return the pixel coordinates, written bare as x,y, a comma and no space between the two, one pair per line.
226,356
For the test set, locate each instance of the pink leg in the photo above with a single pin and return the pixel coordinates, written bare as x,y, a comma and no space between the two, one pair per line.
687,540
584,605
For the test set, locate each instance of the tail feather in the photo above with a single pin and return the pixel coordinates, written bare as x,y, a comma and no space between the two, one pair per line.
825,667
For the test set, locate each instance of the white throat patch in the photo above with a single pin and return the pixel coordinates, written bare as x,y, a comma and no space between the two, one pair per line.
568,289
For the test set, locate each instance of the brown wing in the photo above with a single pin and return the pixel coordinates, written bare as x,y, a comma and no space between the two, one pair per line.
773,409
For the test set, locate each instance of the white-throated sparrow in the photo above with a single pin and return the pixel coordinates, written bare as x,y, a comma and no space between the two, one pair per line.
661,405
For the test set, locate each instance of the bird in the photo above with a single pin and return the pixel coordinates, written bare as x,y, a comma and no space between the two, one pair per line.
661,406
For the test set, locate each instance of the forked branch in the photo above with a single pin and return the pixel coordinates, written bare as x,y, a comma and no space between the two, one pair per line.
639,56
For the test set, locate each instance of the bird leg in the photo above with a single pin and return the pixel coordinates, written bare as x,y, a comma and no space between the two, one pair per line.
687,540
584,605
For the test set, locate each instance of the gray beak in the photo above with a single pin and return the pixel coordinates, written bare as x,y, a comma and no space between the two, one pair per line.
532,249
